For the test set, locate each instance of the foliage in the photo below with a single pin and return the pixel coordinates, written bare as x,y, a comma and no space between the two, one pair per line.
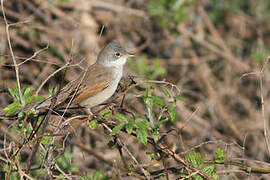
220,156
65,160
97,175
149,125
219,9
150,69
16,105
169,11
195,159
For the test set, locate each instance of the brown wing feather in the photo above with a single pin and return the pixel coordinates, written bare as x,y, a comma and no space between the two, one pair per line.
90,92
94,81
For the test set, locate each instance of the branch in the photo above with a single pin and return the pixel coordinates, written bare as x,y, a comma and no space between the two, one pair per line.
12,54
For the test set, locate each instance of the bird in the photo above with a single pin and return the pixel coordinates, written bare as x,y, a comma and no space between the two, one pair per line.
99,82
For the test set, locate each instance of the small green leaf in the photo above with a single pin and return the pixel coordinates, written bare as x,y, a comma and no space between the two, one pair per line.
158,101
142,134
52,90
93,124
12,108
209,170
165,91
151,155
28,100
27,92
220,156
182,175
179,98
248,169
195,159
130,167
106,114
21,115
39,98
73,168
162,120
14,92
172,112
148,102
97,175
121,117
141,124
45,140
117,128
129,126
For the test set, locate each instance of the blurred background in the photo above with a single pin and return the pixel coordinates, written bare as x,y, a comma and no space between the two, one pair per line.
214,51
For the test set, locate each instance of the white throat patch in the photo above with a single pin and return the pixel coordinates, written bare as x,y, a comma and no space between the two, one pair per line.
120,61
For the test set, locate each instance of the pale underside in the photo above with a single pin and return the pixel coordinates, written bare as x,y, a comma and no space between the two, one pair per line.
94,87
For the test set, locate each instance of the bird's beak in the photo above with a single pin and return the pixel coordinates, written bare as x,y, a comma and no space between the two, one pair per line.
129,55
126,56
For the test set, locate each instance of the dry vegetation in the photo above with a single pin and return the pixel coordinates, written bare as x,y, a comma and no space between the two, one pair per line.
215,59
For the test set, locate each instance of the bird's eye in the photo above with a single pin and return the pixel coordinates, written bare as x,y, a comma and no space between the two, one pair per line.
117,54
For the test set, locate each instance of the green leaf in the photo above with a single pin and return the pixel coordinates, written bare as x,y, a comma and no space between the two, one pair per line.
248,169
93,124
220,156
182,175
12,108
148,99
172,112
165,91
195,159
121,117
141,131
162,120
39,98
130,167
142,135
97,175
117,128
179,98
129,126
27,92
52,90
14,93
106,114
45,140
148,102
157,100
151,155
209,170
141,124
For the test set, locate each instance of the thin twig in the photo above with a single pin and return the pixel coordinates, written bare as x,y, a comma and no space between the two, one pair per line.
34,55
12,54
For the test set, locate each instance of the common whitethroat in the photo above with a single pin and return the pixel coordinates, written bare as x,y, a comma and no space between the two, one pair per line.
100,80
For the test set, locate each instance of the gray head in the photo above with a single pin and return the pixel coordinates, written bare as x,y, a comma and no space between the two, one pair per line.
113,54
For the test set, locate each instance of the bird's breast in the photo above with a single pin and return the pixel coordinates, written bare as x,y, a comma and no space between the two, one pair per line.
105,94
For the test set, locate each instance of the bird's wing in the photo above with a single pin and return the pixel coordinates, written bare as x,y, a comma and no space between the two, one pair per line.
93,81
